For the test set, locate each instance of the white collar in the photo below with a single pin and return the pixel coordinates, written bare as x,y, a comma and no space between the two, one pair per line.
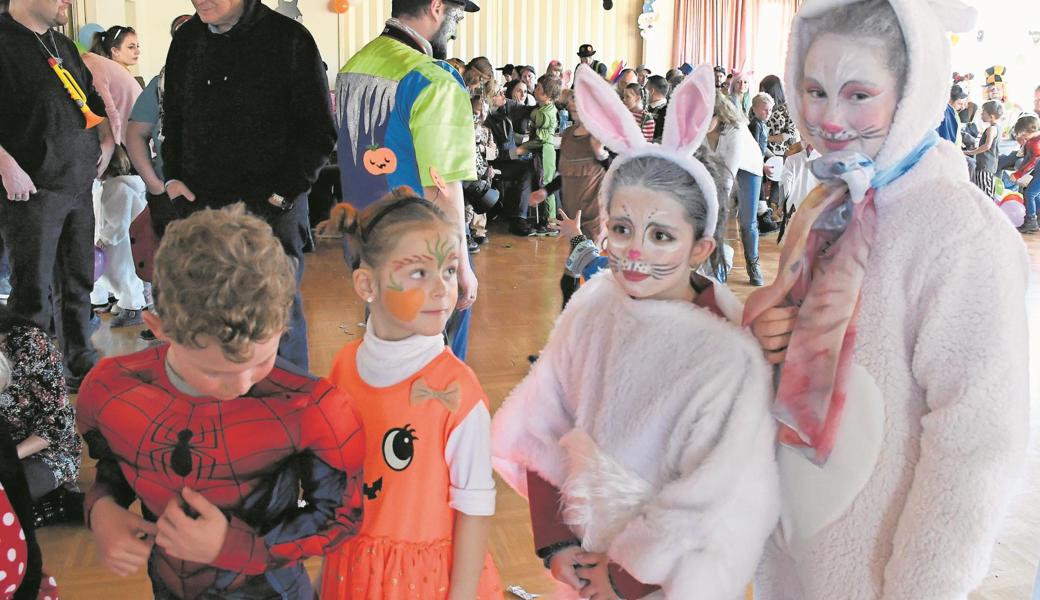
426,46
381,363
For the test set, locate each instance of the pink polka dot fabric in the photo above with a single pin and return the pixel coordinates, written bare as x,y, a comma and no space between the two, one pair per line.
13,554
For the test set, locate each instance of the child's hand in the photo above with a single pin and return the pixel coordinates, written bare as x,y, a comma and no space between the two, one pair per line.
124,540
197,540
537,197
562,566
521,151
570,228
597,578
773,331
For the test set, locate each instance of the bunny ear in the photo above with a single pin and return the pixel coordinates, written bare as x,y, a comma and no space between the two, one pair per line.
603,114
690,111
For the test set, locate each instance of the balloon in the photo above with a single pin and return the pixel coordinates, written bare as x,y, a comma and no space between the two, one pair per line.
101,262
339,6
86,35
956,39
1015,211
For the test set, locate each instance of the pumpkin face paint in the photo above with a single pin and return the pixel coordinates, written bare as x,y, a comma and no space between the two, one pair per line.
418,284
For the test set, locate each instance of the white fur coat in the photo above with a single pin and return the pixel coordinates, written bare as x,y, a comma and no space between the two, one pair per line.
653,419
936,421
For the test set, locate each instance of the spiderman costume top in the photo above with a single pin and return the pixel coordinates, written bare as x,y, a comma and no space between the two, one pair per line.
249,456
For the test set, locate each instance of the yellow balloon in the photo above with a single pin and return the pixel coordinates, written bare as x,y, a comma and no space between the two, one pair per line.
955,39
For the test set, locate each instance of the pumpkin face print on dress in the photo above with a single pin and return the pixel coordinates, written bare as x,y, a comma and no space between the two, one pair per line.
379,160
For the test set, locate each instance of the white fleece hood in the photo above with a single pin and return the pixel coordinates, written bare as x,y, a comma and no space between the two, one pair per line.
925,25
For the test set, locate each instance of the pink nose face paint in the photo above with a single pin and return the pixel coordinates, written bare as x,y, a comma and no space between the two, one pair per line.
634,255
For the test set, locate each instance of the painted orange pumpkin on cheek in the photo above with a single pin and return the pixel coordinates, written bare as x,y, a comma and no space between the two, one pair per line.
380,161
404,305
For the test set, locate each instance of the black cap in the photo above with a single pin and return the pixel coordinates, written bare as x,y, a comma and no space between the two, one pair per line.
505,69
469,5
720,69
586,50
957,93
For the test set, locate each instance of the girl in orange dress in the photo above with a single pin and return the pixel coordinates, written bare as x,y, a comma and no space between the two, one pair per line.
429,492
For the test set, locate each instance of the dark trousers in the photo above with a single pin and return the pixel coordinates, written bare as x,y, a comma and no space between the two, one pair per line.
292,229
519,173
39,476
50,240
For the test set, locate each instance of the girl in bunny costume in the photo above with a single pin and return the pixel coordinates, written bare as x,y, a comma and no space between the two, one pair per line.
903,395
643,432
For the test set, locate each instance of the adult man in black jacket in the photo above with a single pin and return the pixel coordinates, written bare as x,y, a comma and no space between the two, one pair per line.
247,118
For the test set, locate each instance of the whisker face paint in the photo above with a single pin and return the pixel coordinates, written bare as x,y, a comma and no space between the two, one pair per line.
849,95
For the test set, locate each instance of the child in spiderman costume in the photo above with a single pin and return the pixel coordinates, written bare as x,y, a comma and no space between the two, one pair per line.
213,436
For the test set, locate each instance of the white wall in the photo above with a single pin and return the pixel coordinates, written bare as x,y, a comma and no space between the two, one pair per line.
514,31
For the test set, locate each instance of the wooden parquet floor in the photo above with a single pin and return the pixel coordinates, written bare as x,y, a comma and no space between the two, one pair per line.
519,300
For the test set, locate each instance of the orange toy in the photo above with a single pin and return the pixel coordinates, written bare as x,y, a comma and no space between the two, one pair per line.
404,549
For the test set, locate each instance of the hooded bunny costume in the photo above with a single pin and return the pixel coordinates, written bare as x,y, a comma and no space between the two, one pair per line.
934,424
651,417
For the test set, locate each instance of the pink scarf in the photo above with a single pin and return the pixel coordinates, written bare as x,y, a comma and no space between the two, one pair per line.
823,277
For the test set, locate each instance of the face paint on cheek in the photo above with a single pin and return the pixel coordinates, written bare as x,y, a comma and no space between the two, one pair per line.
404,305
637,270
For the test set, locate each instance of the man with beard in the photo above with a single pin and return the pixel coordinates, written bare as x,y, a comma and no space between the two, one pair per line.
49,158
405,120
246,118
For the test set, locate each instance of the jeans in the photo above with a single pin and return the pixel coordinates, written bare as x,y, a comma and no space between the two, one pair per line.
457,329
519,172
39,476
748,191
50,240
1032,196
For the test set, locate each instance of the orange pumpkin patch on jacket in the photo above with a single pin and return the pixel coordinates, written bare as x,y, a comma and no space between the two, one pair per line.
380,161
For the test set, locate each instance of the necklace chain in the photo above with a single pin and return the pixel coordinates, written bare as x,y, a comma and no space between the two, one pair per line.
56,55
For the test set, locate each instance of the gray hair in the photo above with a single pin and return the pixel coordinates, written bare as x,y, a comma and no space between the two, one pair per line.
659,174
870,19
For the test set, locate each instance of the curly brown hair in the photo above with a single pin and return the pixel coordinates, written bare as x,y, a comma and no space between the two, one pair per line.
222,274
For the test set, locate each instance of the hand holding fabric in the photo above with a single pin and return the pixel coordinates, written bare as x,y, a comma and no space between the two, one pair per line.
124,540
193,539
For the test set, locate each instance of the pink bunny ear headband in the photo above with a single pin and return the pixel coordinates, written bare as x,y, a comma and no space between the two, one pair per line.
686,124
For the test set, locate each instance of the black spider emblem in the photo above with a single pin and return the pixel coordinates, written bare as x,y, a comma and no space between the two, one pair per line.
182,452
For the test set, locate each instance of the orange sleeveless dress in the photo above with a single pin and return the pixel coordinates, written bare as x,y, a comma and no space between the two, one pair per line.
404,549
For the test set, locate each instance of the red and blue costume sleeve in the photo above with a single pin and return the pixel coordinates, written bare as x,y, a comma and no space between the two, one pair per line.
1031,160
330,471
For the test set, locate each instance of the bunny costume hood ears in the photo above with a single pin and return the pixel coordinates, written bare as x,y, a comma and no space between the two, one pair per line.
686,124
925,24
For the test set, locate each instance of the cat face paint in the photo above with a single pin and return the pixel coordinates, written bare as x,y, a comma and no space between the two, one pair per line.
849,94
418,285
649,243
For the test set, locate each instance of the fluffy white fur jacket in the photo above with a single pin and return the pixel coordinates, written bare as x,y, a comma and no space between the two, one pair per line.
653,419
936,420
